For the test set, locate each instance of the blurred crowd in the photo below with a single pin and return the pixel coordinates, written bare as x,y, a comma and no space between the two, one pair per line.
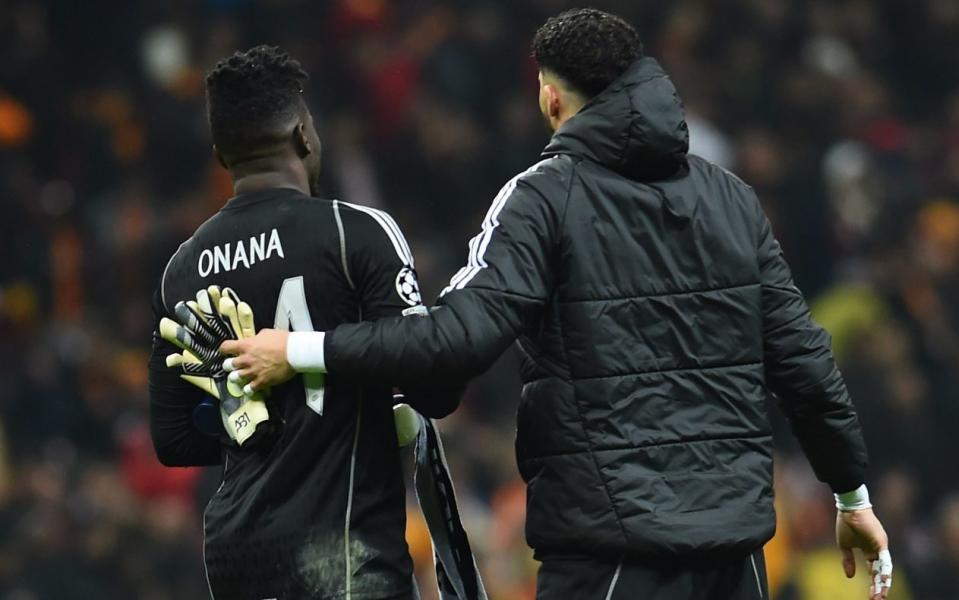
843,114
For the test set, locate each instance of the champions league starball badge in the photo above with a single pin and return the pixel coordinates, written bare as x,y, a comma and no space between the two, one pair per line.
407,287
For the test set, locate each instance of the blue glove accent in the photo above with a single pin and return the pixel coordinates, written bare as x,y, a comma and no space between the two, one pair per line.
206,418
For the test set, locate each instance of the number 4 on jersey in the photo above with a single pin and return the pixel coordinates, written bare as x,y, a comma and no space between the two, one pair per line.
293,314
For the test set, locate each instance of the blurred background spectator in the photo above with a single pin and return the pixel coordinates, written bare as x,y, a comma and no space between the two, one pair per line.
844,115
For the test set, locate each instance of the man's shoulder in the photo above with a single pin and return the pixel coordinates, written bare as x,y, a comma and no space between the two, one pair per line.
728,194
363,226
719,173
362,215
549,179
548,172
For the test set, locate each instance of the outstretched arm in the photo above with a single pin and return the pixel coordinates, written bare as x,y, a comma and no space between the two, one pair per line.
507,280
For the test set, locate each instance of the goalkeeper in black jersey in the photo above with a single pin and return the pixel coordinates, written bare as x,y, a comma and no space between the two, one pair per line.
316,509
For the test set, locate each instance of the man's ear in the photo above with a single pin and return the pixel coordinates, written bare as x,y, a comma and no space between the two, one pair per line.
219,157
553,102
301,143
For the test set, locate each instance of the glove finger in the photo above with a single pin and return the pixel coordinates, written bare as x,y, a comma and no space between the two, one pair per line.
195,323
229,293
214,292
245,314
213,317
185,316
187,362
227,310
213,320
174,333
195,309
203,299
178,360
199,368
224,325
218,330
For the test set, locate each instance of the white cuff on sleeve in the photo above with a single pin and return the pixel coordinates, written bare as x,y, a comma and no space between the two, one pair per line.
858,499
304,351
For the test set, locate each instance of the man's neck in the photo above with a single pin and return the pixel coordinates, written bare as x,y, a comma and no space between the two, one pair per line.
570,110
269,173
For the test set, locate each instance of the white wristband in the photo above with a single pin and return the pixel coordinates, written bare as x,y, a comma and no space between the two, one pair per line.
304,351
858,499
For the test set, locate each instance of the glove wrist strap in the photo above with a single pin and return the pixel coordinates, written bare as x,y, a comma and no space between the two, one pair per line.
242,423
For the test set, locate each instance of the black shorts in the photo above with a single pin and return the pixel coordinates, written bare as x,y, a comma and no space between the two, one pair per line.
733,578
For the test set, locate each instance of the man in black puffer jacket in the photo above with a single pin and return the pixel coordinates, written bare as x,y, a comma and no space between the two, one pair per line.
654,309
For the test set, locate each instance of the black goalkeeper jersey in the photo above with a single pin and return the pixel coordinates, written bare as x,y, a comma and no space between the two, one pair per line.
321,513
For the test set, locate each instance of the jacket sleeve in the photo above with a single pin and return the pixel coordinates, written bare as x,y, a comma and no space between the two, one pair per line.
506,281
801,371
172,400
379,265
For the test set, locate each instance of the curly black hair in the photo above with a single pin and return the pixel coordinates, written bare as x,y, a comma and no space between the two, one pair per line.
252,96
587,48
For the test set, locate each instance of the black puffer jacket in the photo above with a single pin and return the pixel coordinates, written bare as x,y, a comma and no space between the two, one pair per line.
655,309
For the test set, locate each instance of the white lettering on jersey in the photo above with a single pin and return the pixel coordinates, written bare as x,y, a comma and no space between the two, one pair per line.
241,256
258,247
221,258
233,255
274,245
204,271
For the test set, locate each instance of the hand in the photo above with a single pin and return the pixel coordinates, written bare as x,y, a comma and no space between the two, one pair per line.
199,329
261,360
861,529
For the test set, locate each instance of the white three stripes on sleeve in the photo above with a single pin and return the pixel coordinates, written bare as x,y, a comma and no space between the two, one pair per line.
478,245
392,231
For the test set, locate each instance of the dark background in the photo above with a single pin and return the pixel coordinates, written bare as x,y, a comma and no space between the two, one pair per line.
844,115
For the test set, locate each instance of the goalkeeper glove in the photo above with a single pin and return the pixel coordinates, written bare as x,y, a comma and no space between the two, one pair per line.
406,420
216,316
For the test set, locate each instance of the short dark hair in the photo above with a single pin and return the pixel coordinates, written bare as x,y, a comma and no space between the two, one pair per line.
587,48
251,97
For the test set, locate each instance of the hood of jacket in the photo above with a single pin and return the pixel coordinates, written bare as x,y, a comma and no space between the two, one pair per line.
636,126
